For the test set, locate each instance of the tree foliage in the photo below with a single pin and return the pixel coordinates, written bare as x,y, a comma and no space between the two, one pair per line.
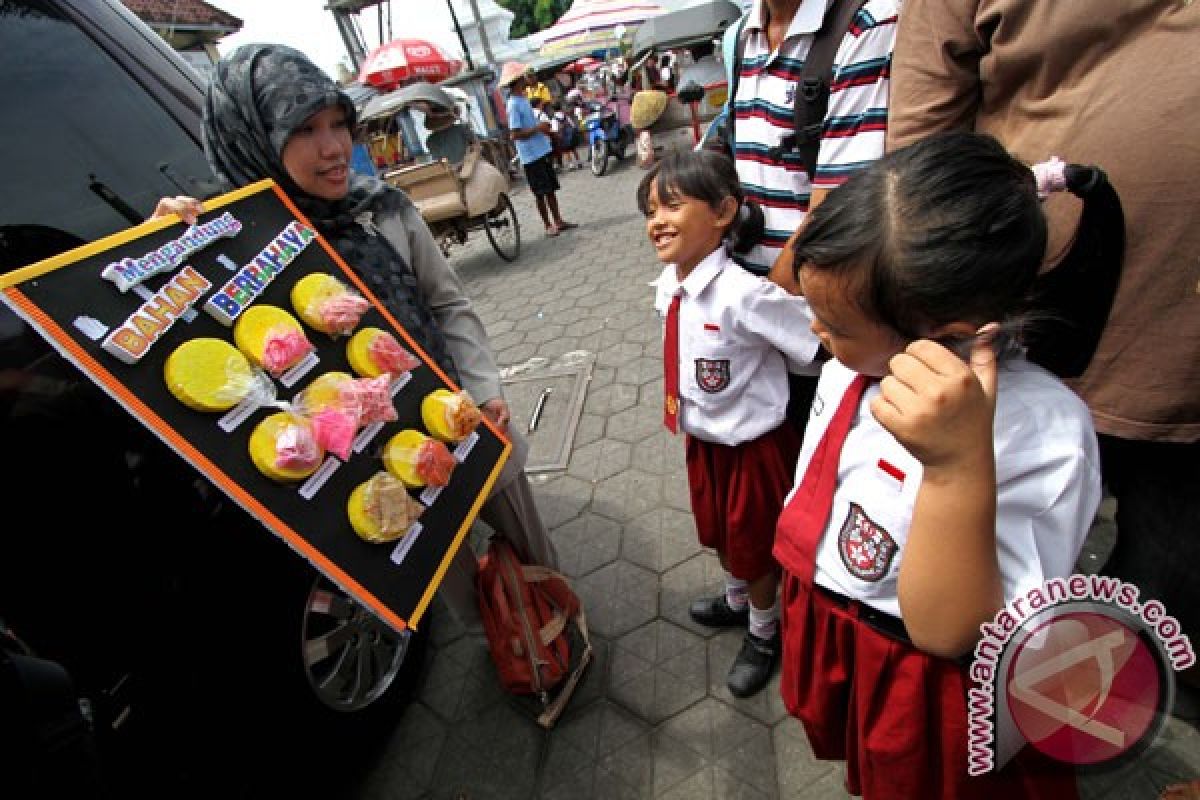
530,16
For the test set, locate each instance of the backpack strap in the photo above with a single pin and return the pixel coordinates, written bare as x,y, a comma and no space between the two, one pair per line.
734,76
812,90
567,603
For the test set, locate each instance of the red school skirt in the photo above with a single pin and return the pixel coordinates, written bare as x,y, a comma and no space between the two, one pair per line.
737,493
895,715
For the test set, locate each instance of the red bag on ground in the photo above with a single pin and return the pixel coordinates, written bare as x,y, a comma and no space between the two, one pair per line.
527,611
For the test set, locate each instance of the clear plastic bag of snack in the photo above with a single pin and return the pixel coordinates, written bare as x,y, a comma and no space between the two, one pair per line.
381,510
328,305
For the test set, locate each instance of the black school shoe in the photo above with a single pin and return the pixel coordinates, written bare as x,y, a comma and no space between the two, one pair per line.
754,664
716,613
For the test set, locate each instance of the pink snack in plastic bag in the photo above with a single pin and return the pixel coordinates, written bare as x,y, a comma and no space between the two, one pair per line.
296,447
371,397
390,356
283,348
341,312
334,430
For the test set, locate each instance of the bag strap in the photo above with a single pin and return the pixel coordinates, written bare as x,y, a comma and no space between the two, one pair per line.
812,89
552,711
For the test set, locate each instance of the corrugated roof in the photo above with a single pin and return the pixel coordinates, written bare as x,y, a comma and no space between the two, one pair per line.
182,13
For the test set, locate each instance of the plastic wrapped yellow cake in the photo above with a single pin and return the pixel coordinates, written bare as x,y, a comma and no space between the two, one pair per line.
373,351
449,416
284,448
208,374
417,460
271,338
328,305
381,509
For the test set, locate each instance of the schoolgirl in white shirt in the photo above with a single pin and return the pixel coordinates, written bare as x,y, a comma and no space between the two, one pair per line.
942,474
726,336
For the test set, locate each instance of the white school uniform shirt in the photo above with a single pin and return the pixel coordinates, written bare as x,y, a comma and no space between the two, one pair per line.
1047,483
734,330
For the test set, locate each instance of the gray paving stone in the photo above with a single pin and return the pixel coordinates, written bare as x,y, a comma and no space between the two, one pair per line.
619,597
461,680
640,371
590,428
421,736
699,576
517,353
578,760
660,452
599,460
610,399
494,755
628,495
619,353
562,498
795,765
544,333
634,424
561,346
660,539
504,340
586,543
728,740
658,670
602,376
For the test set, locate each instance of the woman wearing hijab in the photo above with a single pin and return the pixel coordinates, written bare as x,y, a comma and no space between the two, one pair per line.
272,113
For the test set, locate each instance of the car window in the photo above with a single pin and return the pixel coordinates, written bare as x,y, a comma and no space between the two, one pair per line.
86,150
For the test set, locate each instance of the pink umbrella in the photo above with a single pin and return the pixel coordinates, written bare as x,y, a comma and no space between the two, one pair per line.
402,61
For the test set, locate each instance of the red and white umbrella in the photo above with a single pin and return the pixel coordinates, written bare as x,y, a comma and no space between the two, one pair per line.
402,61
585,64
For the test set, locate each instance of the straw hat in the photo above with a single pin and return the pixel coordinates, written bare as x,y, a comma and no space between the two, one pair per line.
510,72
647,107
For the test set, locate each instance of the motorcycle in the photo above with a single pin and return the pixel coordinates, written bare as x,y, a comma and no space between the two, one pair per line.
605,135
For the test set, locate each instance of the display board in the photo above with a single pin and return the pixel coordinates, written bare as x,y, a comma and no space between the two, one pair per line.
160,317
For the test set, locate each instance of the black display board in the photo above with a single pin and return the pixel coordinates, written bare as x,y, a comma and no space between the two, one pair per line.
67,301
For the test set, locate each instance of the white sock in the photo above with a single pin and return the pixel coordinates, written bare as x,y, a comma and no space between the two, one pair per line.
764,622
737,592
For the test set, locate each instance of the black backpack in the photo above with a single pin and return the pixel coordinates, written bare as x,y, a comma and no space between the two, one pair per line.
812,91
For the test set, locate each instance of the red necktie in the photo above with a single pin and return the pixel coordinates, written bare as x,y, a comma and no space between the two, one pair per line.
803,519
671,368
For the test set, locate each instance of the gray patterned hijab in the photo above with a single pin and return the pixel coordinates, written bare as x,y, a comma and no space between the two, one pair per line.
259,95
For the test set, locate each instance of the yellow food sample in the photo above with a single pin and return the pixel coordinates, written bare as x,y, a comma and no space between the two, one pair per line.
400,457
310,292
449,416
380,509
264,448
252,327
208,374
324,392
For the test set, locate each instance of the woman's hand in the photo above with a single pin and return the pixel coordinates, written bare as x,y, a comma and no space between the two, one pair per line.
186,208
939,407
497,411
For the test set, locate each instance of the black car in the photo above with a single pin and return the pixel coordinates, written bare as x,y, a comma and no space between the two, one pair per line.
154,640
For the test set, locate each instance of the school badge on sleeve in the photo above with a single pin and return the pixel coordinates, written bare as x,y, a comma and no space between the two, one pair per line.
712,374
867,550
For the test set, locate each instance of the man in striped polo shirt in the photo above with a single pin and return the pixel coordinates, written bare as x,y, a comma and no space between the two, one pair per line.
779,34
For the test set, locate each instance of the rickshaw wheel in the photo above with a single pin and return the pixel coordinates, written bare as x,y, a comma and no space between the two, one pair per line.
503,229
599,153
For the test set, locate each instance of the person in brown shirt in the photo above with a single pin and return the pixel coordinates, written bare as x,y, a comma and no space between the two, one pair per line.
1113,83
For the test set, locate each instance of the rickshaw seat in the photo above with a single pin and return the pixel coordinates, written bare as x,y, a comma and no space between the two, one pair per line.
434,188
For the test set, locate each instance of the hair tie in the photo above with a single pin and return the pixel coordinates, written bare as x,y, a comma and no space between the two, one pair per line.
1050,176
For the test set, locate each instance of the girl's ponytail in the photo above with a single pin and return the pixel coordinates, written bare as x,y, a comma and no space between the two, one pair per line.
1075,297
748,228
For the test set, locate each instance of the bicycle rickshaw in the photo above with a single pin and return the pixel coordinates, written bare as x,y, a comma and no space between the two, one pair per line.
463,189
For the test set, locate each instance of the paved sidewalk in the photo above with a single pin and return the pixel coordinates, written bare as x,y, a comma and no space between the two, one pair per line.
653,718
